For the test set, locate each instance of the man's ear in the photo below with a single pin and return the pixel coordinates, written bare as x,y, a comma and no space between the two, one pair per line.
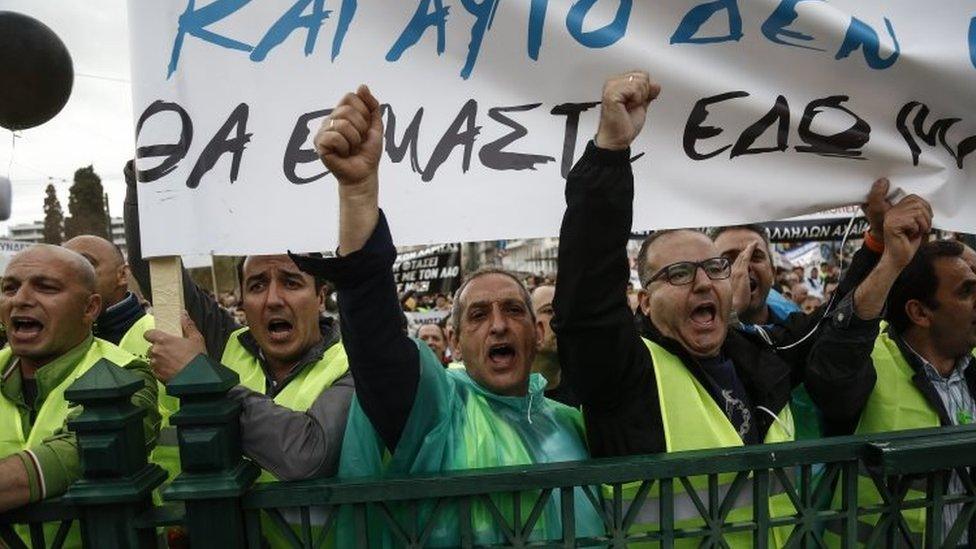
122,276
918,313
644,302
454,339
93,307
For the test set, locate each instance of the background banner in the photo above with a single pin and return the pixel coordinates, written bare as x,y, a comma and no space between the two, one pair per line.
769,109
434,269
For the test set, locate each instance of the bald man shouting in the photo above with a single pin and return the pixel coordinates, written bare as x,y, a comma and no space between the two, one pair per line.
48,304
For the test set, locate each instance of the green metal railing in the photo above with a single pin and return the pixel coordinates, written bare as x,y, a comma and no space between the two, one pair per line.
220,507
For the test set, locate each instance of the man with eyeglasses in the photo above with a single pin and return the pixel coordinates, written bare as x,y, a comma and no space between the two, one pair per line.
690,382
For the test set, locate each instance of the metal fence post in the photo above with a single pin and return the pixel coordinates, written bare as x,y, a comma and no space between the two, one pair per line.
215,475
117,479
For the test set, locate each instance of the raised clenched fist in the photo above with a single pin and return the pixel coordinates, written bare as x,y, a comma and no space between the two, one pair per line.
624,109
350,140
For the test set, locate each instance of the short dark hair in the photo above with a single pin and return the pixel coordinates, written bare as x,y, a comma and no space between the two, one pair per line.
457,306
756,228
642,268
760,230
918,281
319,282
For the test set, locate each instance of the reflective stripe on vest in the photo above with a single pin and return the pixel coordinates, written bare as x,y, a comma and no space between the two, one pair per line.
693,421
685,508
50,418
895,404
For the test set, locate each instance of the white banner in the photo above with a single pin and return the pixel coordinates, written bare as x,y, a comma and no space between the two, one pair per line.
769,109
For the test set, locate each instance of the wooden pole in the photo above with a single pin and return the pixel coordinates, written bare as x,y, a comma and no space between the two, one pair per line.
166,274
213,277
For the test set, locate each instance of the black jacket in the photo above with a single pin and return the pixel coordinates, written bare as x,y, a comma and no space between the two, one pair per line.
844,351
600,346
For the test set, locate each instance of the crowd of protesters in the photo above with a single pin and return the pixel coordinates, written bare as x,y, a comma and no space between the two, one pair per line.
716,346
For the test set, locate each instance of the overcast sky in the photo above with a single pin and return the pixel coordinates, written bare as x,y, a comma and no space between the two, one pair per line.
95,127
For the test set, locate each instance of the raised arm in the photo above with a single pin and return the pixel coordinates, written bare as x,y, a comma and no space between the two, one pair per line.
385,363
600,351
214,322
796,336
840,376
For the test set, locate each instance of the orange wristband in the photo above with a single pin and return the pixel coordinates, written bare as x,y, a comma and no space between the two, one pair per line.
872,244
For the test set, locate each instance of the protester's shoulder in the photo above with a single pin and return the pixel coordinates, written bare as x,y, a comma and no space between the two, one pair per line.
457,377
119,356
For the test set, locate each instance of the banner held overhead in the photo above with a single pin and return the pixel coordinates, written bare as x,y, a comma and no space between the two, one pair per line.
768,110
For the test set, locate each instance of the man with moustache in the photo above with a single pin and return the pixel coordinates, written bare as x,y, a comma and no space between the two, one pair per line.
921,365
759,309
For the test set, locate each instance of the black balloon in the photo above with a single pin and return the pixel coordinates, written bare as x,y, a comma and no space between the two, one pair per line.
35,72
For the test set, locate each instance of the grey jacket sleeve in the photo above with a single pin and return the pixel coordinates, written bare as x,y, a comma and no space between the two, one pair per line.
295,445
211,319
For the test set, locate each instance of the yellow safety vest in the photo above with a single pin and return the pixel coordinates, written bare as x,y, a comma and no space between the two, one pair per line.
50,419
895,404
298,395
301,391
134,341
693,421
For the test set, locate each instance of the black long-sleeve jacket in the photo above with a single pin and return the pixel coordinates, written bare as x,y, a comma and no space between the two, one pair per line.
600,347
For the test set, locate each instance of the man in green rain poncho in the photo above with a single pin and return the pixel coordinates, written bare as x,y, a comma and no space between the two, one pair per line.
410,415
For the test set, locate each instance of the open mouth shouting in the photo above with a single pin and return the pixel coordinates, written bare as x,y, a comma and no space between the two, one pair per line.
24,328
501,355
280,329
703,316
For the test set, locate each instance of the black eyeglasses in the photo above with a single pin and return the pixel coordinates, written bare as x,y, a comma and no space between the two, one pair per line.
683,272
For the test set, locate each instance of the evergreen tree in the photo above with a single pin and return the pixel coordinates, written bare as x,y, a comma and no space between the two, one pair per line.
86,206
53,218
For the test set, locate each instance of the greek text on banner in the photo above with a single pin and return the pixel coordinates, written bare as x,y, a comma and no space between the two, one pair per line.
768,110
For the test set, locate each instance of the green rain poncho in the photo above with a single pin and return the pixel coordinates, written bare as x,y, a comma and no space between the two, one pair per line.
454,425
